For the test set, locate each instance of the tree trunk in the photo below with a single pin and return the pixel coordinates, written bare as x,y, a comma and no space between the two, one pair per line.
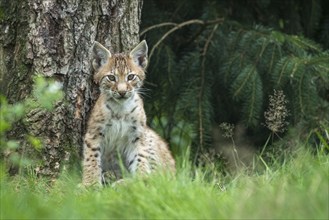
53,38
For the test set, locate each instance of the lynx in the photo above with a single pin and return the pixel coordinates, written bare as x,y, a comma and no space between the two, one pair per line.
117,126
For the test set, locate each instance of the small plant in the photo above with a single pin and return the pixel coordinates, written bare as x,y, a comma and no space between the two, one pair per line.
211,164
277,113
228,129
228,132
45,94
275,120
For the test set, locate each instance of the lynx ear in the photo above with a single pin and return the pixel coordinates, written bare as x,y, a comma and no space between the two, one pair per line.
139,54
100,55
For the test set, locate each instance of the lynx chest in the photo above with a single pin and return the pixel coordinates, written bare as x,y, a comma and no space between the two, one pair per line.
121,129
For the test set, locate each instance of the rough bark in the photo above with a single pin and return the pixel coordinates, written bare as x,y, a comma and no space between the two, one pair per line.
53,38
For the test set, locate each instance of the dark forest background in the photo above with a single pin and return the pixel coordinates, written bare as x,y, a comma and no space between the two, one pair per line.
215,62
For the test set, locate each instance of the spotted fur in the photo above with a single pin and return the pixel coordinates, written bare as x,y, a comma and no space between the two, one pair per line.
117,124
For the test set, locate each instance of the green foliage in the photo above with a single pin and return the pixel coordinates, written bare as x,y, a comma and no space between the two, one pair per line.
299,189
271,60
44,95
203,75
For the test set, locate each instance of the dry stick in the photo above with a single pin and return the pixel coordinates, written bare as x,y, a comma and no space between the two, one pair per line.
177,26
157,26
200,95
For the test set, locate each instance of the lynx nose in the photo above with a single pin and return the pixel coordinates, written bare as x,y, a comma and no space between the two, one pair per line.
122,93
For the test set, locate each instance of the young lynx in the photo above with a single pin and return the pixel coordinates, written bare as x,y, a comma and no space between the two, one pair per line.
117,124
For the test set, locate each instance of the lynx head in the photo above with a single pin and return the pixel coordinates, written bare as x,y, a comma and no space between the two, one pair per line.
120,75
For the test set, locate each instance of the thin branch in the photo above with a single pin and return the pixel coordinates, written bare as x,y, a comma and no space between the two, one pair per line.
176,27
157,26
206,46
200,95
173,30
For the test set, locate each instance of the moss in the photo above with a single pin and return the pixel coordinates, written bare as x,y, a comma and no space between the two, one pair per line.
2,16
5,14
2,11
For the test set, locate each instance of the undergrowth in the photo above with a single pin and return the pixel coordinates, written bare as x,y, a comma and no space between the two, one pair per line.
296,189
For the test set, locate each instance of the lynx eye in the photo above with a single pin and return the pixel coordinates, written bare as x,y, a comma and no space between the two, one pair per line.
131,77
110,78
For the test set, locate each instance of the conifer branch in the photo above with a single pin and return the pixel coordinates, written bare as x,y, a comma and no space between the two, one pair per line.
252,62
176,27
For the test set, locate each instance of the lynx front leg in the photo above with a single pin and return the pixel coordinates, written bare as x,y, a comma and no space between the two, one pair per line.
92,171
140,161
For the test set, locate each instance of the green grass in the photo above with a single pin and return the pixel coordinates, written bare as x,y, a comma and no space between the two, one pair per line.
298,189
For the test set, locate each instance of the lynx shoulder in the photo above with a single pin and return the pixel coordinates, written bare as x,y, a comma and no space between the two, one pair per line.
117,124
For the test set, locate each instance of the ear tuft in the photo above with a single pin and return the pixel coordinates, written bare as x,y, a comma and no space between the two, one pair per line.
139,54
100,55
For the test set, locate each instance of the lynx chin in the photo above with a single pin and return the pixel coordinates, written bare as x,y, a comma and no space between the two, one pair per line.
117,135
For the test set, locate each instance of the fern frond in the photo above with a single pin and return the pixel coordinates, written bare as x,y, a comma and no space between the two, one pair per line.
253,105
270,58
299,44
232,68
320,68
304,96
242,83
285,69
